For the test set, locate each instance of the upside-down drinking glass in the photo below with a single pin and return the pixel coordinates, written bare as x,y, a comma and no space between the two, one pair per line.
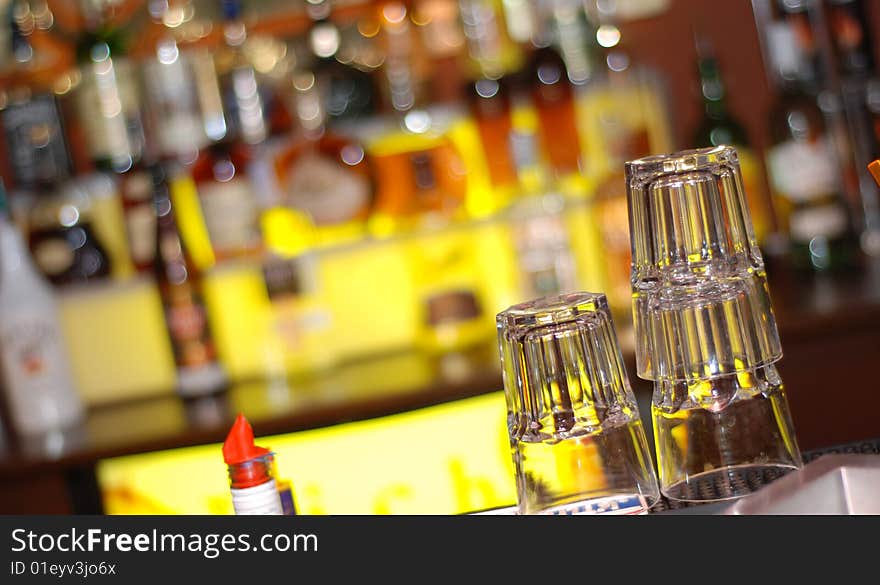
577,440
705,329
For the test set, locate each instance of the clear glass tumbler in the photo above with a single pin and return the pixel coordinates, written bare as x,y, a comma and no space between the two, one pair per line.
705,329
577,440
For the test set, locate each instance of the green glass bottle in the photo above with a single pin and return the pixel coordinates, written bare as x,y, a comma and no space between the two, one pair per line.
718,126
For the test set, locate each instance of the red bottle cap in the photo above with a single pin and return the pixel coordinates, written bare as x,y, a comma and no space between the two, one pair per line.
239,445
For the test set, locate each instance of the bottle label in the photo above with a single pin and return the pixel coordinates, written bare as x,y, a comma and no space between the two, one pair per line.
544,255
140,217
174,104
186,323
802,171
828,221
262,499
188,328
230,215
53,255
452,307
29,345
326,190
35,369
611,505
109,109
36,142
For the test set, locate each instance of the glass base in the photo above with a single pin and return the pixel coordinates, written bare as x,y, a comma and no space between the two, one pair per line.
725,483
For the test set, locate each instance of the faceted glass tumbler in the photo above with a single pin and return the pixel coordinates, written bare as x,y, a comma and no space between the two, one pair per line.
723,437
700,300
705,329
577,441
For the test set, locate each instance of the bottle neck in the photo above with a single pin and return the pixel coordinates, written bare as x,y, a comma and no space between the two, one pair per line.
234,30
309,106
713,90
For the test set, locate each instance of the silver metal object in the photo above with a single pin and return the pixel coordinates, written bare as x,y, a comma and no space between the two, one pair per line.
833,484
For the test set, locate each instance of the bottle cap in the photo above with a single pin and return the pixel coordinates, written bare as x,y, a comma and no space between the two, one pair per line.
239,446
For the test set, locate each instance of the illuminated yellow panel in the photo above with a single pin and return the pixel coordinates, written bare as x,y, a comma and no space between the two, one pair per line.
446,459
117,340
369,291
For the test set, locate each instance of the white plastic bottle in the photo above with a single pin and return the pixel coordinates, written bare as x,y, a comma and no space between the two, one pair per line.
35,367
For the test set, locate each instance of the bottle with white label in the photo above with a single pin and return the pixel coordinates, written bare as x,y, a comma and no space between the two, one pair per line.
36,374
801,163
320,173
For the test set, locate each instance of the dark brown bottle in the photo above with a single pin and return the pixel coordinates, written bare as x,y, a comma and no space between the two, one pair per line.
491,108
803,169
180,287
226,194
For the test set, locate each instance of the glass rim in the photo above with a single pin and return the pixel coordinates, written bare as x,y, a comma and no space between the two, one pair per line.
680,162
553,310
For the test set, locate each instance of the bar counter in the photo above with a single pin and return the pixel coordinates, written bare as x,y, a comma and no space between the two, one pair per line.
830,329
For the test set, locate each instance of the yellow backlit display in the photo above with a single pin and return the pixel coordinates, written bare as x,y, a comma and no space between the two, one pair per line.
447,459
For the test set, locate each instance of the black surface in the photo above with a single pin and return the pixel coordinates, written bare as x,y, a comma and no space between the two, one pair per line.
867,447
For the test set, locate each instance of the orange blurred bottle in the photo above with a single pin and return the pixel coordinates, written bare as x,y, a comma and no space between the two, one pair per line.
553,97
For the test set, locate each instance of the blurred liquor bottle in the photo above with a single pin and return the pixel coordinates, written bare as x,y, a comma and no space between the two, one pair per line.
179,281
61,237
108,94
35,364
851,37
624,115
323,174
492,56
109,109
31,116
244,93
422,185
540,234
419,172
439,28
491,52
853,51
175,124
420,181
348,91
225,189
561,64
718,126
405,67
554,100
802,163
490,105
564,25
